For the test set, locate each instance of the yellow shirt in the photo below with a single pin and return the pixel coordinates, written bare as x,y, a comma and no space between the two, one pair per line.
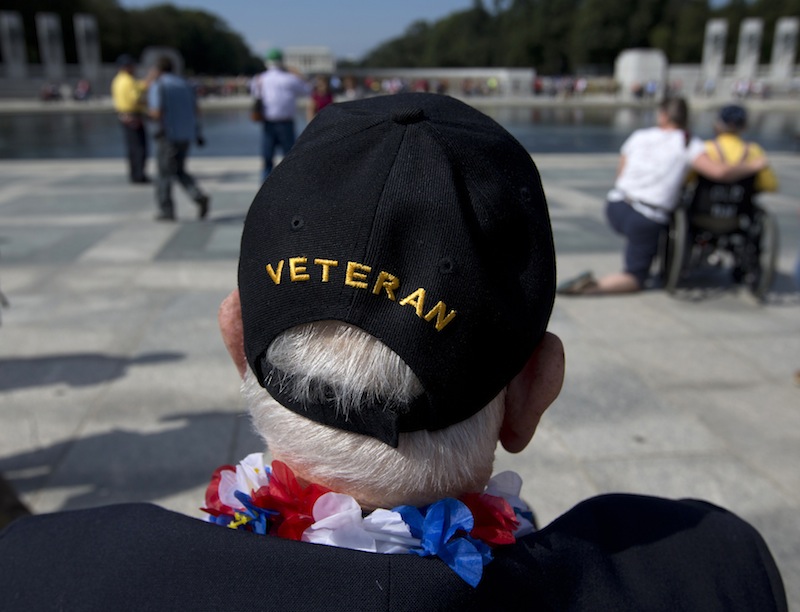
733,149
127,93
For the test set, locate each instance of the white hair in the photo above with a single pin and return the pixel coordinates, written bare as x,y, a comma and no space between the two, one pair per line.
344,362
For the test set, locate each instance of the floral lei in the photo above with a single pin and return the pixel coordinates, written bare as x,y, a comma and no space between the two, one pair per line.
461,532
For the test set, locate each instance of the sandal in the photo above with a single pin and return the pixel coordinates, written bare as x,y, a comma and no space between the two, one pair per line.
578,285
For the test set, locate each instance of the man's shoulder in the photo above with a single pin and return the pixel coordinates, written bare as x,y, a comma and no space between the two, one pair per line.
734,147
652,553
169,80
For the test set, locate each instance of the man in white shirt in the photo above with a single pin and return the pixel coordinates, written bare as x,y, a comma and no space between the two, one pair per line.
278,89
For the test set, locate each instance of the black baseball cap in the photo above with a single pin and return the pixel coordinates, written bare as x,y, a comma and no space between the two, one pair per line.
420,220
733,115
125,60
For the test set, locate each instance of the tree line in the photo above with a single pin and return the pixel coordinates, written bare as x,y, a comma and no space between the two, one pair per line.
205,41
571,36
552,36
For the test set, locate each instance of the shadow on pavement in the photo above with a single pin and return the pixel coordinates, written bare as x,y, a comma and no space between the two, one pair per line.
125,466
75,370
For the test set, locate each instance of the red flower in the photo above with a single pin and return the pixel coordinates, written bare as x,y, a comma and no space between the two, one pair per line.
214,505
290,499
495,521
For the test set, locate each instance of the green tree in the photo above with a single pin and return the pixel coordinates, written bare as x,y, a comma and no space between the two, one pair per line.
600,31
403,51
205,41
462,39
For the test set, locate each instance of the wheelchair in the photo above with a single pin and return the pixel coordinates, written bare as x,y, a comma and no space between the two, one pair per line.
721,225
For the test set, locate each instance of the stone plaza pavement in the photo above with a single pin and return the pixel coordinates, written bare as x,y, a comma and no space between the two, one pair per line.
115,386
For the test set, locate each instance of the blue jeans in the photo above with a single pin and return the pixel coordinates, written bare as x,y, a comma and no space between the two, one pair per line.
642,236
275,134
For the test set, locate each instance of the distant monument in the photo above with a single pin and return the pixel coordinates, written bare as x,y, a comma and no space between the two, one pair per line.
87,43
714,49
634,69
784,48
51,45
12,44
749,50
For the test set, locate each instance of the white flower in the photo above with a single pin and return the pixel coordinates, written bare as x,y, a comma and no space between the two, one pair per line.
227,488
251,474
339,522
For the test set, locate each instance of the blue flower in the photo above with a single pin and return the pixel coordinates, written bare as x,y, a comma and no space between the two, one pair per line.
259,517
443,529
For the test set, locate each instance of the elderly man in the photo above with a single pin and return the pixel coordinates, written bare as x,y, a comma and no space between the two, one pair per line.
396,279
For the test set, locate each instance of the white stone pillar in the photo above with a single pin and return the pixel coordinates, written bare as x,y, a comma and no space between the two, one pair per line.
51,45
12,43
748,52
784,48
87,44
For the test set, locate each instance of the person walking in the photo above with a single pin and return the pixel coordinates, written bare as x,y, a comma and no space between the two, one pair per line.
128,95
173,105
278,89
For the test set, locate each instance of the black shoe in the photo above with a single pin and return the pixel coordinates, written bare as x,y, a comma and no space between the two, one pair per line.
141,181
165,217
203,204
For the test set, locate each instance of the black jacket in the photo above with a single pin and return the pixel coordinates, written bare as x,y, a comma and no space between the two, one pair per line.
614,552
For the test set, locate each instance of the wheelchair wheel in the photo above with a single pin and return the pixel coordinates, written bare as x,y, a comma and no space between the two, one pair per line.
761,280
676,249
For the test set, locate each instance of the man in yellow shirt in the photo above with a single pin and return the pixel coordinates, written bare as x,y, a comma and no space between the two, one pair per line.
128,95
730,148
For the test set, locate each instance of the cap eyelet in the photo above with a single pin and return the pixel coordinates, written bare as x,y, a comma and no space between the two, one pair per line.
297,223
447,266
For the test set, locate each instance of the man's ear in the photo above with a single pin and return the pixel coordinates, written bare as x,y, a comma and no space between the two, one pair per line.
531,392
230,324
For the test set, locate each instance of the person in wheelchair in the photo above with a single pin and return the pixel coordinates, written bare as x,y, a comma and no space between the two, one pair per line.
726,216
652,171
715,205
